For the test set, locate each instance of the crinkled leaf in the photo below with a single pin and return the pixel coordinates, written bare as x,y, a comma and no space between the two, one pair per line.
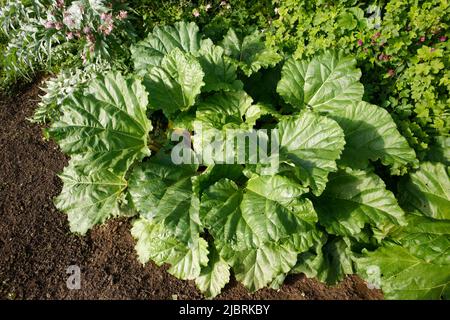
174,85
163,191
89,199
224,110
354,198
250,52
214,173
310,144
214,276
108,127
417,267
327,81
215,115
427,191
155,242
256,111
426,238
104,132
267,210
257,267
150,52
371,134
329,262
220,73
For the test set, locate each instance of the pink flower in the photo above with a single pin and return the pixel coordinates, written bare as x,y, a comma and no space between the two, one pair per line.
195,13
360,42
122,15
384,57
107,17
69,35
68,21
58,26
109,29
86,30
443,39
391,72
60,3
376,35
90,38
49,24
422,39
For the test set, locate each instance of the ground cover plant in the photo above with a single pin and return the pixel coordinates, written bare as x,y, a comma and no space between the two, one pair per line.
349,173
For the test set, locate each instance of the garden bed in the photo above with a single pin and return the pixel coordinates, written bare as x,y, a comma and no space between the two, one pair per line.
36,245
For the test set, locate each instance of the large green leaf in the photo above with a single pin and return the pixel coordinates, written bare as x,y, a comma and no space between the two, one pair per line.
174,85
427,191
371,134
310,144
157,243
224,110
107,127
267,210
259,230
214,276
328,80
220,72
418,267
105,132
89,199
330,262
255,268
150,52
250,52
354,198
216,114
163,191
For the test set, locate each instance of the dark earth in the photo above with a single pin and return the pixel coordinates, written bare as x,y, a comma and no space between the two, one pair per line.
36,246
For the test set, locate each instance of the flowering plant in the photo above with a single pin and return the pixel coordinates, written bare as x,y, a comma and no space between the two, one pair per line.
44,32
96,24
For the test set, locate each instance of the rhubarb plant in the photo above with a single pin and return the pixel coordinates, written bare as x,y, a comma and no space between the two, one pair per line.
327,206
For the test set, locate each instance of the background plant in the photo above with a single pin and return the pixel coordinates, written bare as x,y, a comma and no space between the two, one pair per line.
50,35
401,46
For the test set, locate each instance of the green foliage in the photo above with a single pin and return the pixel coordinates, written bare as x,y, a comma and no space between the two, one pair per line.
41,34
401,47
214,17
328,209
323,210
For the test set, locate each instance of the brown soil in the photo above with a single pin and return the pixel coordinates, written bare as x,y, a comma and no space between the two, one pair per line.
36,246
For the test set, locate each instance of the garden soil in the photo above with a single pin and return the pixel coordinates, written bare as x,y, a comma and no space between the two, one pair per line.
36,246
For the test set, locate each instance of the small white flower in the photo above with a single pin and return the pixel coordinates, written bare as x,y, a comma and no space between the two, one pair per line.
195,13
276,10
